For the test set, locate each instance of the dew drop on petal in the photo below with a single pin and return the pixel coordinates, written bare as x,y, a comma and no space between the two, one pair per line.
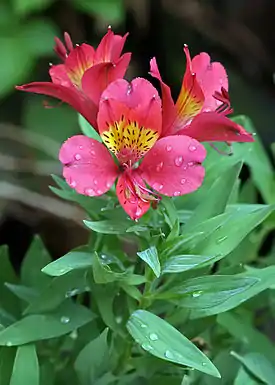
190,164
138,211
159,166
99,192
92,152
168,148
157,186
80,147
192,148
64,320
153,337
178,161
72,183
176,193
109,184
77,156
183,181
90,192
95,182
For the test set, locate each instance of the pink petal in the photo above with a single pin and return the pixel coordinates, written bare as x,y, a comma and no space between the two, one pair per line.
80,59
88,165
211,77
136,101
191,97
173,166
59,76
97,78
133,206
110,47
168,107
72,96
214,127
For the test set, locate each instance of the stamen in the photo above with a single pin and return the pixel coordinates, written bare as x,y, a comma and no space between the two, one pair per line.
68,42
223,97
60,49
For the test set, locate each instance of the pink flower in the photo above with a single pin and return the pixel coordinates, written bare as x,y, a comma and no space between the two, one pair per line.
84,74
130,124
202,105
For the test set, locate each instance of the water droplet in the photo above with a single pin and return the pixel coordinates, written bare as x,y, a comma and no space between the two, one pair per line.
183,180
92,152
64,320
77,156
119,319
192,148
159,166
72,183
190,164
196,293
178,161
138,211
168,148
143,326
95,182
157,186
146,346
80,147
153,336
176,193
9,343
109,184
71,293
90,192
221,239
169,355
99,192
74,335
204,363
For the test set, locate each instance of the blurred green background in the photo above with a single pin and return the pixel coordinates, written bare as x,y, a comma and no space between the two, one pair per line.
240,34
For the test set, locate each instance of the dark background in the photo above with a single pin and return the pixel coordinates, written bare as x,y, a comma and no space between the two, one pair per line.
239,33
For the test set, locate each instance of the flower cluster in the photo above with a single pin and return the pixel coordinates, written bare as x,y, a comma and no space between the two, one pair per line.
151,145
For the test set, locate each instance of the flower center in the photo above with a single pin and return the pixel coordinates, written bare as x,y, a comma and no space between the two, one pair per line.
128,140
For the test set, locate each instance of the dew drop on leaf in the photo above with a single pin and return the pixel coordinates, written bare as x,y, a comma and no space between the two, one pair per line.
64,320
153,336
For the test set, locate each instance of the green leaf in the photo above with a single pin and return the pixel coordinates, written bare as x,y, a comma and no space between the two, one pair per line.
181,263
258,365
26,367
36,258
24,7
93,360
6,365
256,158
23,292
60,288
7,275
210,291
63,320
217,197
87,129
240,329
74,260
263,278
108,226
164,341
243,378
150,256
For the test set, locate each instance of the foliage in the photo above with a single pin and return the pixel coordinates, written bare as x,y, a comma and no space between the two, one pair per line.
181,296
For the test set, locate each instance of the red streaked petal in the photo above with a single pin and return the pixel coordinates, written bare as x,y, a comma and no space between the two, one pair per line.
79,60
191,98
168,107
97,78
173,166
214,127
110,47
59,76
136,101
211,77
134,206
68,95
88,166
